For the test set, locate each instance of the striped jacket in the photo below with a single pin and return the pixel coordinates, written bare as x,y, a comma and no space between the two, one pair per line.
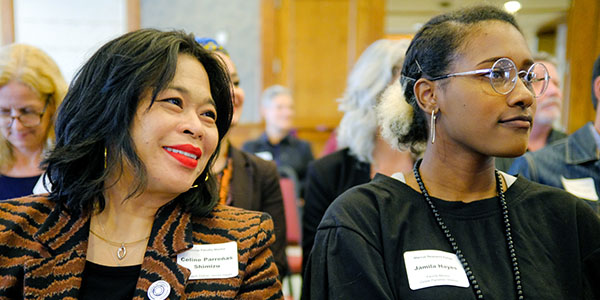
43,252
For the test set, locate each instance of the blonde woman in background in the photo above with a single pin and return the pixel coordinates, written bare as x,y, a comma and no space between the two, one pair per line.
31,89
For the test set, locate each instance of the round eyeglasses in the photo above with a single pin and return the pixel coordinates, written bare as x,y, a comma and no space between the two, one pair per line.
503,77
26,118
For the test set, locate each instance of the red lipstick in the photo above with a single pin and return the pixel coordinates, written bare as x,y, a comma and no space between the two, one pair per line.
186,154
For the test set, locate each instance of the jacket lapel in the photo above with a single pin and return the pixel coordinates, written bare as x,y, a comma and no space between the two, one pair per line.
171,235
57,274
581,146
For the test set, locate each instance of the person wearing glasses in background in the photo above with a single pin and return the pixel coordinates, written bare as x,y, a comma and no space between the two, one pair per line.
455,227
573,163
31,89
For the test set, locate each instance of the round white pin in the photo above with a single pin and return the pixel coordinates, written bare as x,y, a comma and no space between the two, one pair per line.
159,290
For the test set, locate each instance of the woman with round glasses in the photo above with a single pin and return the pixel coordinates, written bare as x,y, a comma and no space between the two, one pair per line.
456,228
31,88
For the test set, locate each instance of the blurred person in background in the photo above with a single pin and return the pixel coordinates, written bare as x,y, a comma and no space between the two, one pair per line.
278,143
245,180
547,113
363,152
573,163
31,89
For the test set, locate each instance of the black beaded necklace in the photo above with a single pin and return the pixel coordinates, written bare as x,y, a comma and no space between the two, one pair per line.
452,241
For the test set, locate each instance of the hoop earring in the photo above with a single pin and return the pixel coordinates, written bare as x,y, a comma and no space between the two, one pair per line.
432,126
105,157
206,179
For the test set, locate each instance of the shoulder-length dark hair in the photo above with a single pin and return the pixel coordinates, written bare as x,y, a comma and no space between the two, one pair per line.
94,120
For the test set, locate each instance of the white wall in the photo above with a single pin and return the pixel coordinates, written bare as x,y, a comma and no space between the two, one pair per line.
70,31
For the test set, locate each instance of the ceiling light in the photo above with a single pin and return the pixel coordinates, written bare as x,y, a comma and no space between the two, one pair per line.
512,6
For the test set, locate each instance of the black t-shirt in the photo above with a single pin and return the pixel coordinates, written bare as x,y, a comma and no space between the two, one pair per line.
103,282
14,187
360,244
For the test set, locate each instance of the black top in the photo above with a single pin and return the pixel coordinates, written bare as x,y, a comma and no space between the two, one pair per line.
14,187
103,282
504,163
360,244
327,178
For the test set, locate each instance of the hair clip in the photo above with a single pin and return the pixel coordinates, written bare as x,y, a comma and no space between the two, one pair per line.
419,66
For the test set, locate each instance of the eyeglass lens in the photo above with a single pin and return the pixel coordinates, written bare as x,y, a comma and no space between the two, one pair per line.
503,77
538,78
26,119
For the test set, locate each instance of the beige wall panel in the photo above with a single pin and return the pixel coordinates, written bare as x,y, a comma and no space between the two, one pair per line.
320,60
310,46
583,46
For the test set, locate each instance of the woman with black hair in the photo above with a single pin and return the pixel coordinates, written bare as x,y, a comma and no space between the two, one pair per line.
132,211
456,228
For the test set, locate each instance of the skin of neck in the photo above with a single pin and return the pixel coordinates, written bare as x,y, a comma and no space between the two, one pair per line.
131,219
387,160
221,159
26,162
454,174
275,135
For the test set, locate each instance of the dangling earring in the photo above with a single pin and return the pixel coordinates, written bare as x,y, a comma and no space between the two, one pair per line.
432,126
206,179
105,157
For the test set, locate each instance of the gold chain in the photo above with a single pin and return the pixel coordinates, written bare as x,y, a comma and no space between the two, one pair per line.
116,244
122,247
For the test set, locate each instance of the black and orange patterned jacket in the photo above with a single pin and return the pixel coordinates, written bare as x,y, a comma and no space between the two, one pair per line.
43,252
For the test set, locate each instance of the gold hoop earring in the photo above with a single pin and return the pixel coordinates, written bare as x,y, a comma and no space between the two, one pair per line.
206,179
105,157
432,126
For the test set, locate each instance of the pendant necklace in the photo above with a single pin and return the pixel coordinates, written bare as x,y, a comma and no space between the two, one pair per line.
452,241
121,246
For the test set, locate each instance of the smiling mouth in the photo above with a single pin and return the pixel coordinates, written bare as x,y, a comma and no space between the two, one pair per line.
190,155
187,159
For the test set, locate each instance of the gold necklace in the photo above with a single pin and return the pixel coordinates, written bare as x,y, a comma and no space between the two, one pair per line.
122,246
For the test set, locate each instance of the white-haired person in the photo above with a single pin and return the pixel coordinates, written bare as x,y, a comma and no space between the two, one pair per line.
31,89
455,227
362,151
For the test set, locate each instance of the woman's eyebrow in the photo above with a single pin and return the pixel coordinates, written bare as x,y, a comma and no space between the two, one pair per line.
490,60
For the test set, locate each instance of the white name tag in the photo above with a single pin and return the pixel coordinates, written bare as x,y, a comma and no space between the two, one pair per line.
211,261
266,155
427,268
581,187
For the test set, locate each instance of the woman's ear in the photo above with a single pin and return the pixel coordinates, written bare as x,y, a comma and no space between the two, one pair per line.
424,91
